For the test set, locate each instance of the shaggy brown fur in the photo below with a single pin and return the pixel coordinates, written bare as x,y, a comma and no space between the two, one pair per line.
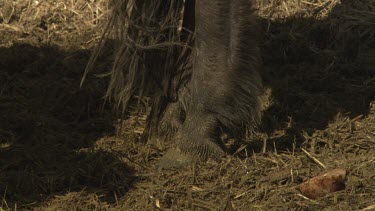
225,84
216,84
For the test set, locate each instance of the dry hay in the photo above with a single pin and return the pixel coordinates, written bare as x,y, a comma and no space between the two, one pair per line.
58,149
65,23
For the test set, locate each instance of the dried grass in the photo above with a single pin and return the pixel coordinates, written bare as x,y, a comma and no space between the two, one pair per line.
58,150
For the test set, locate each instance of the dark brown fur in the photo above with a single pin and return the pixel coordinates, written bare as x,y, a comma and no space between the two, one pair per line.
155,58
225,84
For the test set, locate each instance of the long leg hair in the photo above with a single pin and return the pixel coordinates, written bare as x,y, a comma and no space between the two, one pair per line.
152,52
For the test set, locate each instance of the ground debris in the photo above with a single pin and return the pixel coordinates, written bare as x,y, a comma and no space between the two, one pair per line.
63,148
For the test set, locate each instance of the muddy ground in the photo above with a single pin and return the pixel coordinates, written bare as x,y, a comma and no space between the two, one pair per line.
62,147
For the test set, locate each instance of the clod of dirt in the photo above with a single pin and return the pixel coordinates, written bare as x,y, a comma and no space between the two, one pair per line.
328,182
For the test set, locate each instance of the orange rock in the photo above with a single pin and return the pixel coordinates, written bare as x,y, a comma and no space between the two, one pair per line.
331,181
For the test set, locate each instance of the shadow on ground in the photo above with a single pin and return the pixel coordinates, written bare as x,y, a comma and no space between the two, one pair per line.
314,69
49,125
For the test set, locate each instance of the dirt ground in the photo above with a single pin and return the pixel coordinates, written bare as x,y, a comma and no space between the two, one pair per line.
63,148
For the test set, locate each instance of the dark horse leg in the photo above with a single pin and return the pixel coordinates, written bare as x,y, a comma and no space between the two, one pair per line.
225,84
174,114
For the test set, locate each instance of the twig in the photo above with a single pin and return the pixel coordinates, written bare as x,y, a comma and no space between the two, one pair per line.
372,207
314,159
304,197
264,148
